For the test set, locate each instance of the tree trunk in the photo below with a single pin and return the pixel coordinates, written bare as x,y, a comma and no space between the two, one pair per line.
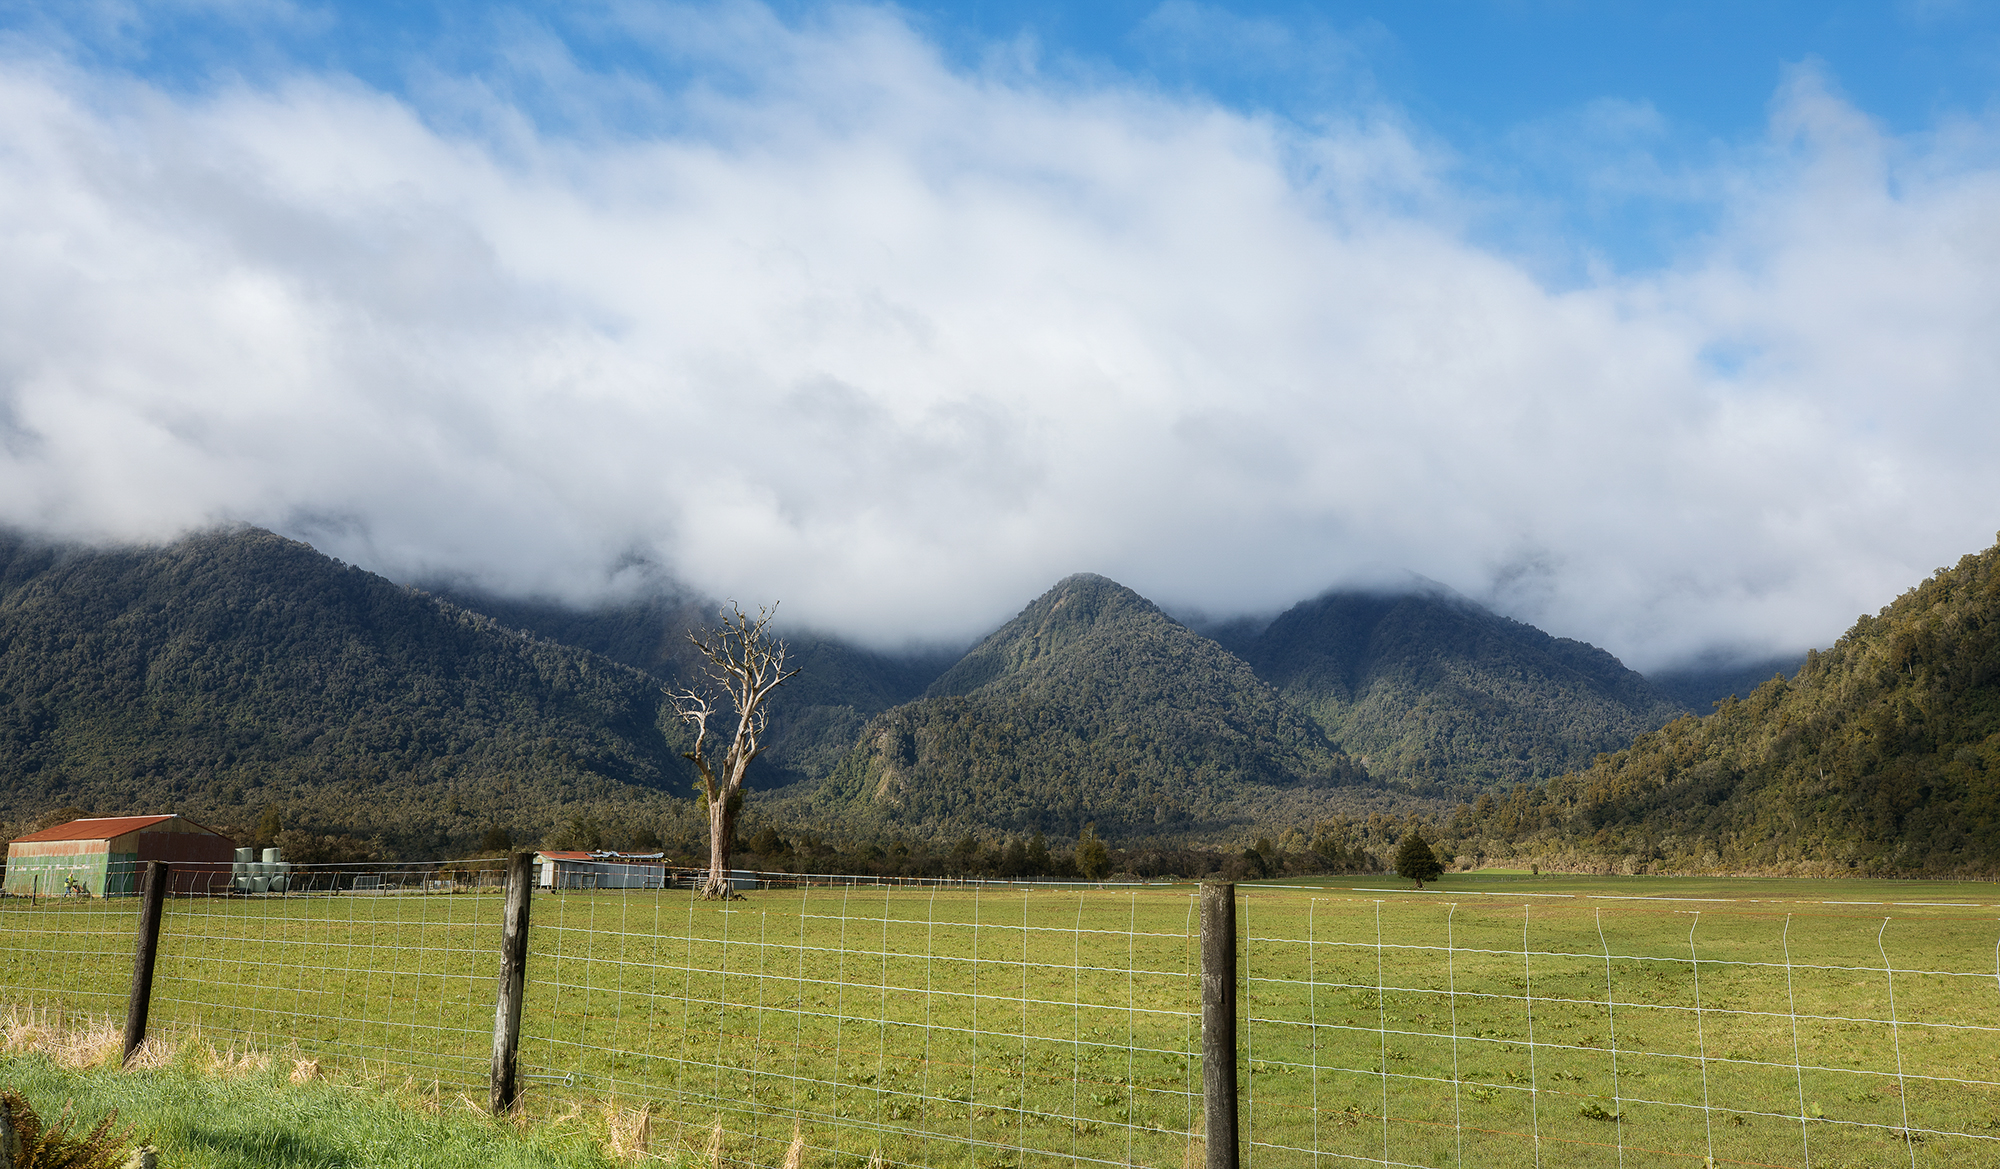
721,833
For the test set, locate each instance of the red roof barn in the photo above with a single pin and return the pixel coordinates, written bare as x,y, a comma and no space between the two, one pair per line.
102,856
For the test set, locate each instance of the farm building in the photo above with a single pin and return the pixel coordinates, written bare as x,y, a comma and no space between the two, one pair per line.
599,870
101,857
622,870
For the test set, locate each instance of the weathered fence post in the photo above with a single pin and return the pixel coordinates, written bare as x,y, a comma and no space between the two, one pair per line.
143,955
1218,1023
513,981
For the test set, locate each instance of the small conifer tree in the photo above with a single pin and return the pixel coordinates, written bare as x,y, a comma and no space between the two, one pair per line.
1416,862
1092,855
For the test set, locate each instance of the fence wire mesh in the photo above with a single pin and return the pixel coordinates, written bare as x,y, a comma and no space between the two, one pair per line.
925,1026
988,1026
1418,1033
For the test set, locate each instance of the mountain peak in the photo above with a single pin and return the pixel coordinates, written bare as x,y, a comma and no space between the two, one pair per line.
1091,706
1079,607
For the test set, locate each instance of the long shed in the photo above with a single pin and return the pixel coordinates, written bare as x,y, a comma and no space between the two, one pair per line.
599,870
101,856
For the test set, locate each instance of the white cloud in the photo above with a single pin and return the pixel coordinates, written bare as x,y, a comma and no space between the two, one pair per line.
902,345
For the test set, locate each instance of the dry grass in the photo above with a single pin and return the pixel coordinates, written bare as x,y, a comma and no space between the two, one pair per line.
228,1062
94,1043
713,1153
84,1044
795,1153
628,1132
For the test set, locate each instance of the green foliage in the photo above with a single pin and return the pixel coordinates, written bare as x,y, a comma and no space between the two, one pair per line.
37,1145
1093,858
1436,693
577,833
1416,862
838,689
261,1121
1091,706
239,674
1881,756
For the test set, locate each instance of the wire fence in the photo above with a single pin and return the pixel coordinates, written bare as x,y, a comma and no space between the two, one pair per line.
988,1026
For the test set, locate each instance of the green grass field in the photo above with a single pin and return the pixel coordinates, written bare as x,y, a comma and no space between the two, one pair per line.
1494,1020
260,1120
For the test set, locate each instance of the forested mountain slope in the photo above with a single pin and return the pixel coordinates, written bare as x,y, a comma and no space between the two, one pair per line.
815,719
1433,691
1881,756
1699,686
236,671
1091,706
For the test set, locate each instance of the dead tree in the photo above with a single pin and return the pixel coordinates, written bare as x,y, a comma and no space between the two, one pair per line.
747,664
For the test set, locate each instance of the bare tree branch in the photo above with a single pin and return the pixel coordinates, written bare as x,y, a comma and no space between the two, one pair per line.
746,664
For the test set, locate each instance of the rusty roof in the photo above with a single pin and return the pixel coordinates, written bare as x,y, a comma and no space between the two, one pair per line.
99,828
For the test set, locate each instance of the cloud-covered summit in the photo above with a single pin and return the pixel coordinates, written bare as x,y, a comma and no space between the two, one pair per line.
822,317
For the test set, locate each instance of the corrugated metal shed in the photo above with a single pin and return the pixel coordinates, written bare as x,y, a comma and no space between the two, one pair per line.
601,870
100,856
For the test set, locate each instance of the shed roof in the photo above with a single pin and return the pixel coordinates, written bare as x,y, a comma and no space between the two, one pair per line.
97,828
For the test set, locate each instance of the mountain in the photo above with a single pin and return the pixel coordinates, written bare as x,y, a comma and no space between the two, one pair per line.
815,719
1435,692
1701,684
1881,756
235,671
1091,706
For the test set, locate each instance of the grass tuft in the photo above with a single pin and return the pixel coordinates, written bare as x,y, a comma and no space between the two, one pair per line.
629,1131
235,1108
713,1153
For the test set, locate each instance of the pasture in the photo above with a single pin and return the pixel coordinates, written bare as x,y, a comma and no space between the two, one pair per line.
1498,1020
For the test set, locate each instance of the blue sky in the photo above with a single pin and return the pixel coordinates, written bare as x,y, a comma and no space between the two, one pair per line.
1535,102
1668,327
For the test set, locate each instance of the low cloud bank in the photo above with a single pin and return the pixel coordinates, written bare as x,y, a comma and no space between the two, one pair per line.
902,344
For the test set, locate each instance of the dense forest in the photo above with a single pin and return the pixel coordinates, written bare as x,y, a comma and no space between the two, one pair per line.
1436,693
1882,755
239,673
839,686
1091,706
252,683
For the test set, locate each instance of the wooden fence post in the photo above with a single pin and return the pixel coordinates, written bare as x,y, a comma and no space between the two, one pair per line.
513,981
143,956
1218,1024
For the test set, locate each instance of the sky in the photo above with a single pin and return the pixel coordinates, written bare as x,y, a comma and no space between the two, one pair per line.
1674,328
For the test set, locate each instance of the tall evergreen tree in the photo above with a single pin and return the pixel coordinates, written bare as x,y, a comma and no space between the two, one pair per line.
1416,862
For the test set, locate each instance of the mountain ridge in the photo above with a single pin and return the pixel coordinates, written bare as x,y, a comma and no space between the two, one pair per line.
1882,755
1432,689
1090,706
237,670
